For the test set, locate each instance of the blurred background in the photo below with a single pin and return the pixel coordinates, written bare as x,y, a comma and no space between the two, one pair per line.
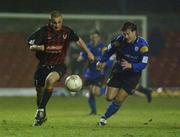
158,22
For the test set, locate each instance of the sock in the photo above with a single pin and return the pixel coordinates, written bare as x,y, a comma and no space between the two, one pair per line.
102,90
39,97
92,103
45,98
112,109
143,90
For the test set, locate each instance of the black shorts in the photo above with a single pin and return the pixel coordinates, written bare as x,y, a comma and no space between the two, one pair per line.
43,71
124,80
97,81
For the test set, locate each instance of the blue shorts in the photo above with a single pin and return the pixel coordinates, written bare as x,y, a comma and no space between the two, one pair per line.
124,80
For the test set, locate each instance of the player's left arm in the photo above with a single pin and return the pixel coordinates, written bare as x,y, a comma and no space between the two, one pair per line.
82,45
74,37
144,53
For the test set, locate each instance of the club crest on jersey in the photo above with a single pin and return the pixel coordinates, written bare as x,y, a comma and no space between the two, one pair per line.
64,36
136,48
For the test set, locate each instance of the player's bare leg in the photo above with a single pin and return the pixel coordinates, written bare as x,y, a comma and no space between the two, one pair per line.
41,111
117,97
95,91
146,91
92,101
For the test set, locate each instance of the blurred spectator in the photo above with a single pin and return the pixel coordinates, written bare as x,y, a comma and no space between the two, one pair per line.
94,78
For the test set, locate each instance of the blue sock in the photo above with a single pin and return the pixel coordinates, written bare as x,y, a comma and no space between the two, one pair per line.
102,90
92,103
112,109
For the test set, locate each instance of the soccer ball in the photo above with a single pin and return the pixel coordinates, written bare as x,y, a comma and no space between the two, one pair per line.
73,83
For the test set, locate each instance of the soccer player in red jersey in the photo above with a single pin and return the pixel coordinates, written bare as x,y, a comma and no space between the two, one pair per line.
50,44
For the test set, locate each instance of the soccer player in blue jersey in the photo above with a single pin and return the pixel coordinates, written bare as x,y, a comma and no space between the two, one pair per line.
139,88
132,53
94,78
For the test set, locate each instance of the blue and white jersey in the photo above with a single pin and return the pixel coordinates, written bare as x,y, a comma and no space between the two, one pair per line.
136,53
91,71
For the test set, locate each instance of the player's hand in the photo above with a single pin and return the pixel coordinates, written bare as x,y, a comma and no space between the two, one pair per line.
125,64
90,56
100,66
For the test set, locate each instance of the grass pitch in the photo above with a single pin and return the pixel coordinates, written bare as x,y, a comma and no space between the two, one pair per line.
67,117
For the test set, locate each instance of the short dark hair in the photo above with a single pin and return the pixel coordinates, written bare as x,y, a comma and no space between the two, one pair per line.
95,32
129,25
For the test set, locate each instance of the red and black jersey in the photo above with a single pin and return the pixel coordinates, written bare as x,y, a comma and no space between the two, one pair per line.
56,41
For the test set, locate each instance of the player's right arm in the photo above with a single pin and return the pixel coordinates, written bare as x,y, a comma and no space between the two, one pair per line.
35,41
108,53
112,48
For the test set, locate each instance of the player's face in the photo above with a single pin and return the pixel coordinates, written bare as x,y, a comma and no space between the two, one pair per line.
130,35
56,23
95,38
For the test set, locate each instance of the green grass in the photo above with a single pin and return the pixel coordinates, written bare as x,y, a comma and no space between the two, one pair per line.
67,117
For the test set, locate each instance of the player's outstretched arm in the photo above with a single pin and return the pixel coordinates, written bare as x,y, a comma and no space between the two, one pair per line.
82,45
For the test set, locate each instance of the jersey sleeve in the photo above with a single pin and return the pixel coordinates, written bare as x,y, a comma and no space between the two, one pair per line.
73,36
36,37
116,43
144,56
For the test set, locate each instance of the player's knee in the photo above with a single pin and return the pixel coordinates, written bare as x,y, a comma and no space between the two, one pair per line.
50,81
109,98
96,93
52,78
117,102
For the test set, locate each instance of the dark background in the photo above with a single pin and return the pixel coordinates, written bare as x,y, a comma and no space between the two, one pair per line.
93,6
163,35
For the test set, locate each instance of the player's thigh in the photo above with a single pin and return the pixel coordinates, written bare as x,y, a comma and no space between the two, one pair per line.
111,93
97,84
52,77
56,73
121,96
40,77
96,90
130,83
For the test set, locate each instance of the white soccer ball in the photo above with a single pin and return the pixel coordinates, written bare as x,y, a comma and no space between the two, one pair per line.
73,83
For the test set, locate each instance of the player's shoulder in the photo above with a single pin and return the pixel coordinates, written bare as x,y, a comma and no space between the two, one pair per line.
119,38
117,41
42,28
101,45
142,42
89,45
67,28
